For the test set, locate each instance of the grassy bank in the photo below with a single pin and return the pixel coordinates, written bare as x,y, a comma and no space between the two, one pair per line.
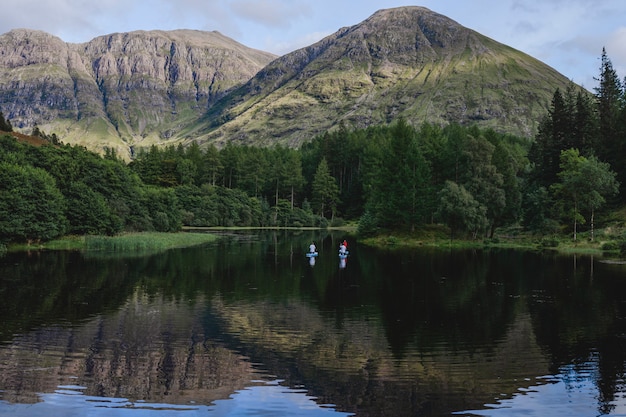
129,242
606,241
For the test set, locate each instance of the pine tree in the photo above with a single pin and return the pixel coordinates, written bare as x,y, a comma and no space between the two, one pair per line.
585,125
325,190
610,102
550,141
402,181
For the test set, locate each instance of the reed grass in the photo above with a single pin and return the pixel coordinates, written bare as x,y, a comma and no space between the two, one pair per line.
127,243
148,241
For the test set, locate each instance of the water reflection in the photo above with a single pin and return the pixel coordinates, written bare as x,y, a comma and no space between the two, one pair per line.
275,400
208,329
264,398
572,386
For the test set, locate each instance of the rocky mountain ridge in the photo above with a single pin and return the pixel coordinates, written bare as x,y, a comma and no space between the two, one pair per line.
135,89
120,89
405,62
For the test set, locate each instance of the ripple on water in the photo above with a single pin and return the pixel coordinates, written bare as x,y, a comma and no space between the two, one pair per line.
262,398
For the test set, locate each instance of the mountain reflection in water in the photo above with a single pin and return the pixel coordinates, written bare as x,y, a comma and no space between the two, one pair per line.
267,398
249,326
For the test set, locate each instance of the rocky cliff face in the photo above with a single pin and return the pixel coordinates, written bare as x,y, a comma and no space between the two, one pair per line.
408,62
141,88
119,89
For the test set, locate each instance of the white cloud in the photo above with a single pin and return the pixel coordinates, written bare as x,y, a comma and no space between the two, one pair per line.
566,34
284,46
47,15
271,13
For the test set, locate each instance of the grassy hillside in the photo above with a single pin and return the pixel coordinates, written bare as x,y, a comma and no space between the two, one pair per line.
406,62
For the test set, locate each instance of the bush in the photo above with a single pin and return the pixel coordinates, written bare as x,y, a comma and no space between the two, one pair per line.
549,242
337,222
392,240
367,224
35,204
610,246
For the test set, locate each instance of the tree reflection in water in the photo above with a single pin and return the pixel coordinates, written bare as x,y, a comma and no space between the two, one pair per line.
402,333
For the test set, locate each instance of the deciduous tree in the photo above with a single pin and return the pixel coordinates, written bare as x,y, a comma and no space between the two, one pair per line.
584,184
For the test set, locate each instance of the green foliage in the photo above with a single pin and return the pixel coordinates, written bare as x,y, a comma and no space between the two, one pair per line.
391,241
460,210
394,177
611,109
385,168
584,184
610,246
368,225
325,191
67,189
579,155
402,181
53,139
89,213
537,209
32,206
163,210
142,242
549,242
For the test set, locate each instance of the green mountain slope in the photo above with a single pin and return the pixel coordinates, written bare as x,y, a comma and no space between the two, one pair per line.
408,62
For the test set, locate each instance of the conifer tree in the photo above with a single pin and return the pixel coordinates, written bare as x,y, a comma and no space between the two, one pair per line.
403,180
325,190
610,104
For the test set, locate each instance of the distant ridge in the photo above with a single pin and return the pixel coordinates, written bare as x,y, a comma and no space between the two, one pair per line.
119,90
129,90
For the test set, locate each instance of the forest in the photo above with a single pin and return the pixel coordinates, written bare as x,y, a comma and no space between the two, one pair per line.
386,178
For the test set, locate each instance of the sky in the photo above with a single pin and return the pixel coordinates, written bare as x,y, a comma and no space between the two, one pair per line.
568,35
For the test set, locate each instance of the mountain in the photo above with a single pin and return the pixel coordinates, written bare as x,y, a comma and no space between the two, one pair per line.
408,62
125,90
122,89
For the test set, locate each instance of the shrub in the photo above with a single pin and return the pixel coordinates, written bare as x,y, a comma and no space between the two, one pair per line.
549,242
368,225
337,222
610,246
392,240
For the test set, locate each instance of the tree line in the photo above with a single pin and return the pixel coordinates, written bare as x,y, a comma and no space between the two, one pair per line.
395,177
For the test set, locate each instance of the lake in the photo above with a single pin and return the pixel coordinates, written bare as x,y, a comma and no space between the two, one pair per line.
249,326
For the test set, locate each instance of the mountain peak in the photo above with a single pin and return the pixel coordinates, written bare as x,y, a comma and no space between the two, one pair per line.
149,87
399,14
405,62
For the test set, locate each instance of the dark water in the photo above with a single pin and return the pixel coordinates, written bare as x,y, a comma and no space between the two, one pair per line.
247,327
